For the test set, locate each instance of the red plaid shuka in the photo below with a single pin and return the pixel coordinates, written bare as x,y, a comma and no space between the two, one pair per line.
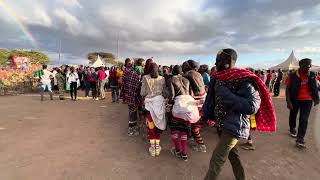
266,116
131,86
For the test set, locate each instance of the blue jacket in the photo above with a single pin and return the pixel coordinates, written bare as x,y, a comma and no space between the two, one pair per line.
238,103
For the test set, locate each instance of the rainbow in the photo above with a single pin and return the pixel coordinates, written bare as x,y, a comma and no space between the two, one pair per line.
19,22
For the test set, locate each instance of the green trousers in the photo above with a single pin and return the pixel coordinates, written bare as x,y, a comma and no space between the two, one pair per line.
226,148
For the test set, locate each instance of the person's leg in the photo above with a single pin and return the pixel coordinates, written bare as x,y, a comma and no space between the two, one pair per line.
196,128
226,143
71,90
293,119
305,109
157,135
86,88
101,89
132,119
75,90
235,161
113,94
175,140
42,89
50,90
61,91
184,139
117,94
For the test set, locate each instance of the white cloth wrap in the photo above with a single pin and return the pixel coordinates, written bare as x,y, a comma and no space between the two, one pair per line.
185,108
156,107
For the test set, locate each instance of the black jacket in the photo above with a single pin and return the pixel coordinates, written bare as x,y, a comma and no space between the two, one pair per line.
295,85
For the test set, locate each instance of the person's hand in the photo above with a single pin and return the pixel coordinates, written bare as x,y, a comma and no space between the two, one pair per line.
289,105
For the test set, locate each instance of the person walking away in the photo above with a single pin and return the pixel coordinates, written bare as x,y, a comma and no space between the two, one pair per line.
139,66
301,93
269,76
277,83
55,83
263,76
60,81
152,90
131,95
107,71
205,75
92,79
273,80
45,82
199,94
67,73
235,94
114,84
101,82
73,81
86,83
184,112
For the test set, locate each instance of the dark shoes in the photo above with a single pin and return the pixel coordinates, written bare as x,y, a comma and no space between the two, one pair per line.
293,133
301,145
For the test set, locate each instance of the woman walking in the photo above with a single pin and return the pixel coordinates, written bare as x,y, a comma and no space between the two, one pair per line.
114,84
73,79
92,80
184,112
152,90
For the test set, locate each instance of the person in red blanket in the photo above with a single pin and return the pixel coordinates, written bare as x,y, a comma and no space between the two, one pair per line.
233,96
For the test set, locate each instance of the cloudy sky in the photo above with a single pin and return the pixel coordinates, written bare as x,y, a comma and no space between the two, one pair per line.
263,32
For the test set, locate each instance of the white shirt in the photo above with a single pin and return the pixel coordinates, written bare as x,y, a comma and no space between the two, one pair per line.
107,73
46,77
54,77
73,77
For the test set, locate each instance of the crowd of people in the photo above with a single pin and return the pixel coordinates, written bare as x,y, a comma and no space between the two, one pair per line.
186,98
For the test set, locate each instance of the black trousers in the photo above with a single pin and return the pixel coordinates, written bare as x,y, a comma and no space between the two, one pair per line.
73,90
276,89
93,86
305,109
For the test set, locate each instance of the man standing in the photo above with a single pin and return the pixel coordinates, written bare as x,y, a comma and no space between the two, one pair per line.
301,93
277,83
131,95
233,95
45,82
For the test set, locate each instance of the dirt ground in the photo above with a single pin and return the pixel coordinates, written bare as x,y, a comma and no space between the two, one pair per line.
86,140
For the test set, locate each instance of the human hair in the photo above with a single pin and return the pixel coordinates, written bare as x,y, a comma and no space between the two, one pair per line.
305,60
147,66
154,70
128,62
139,62
176,70
193,64
72,69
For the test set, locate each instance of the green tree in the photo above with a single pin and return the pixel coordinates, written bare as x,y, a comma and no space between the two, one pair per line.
35,57
4,55
107,57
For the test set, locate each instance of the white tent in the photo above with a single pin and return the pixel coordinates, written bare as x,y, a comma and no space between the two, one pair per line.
289,64
98,63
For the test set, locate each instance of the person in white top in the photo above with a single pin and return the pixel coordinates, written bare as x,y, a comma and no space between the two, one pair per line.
45,82
73,78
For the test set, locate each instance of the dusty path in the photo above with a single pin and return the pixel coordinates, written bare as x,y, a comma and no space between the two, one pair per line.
86,140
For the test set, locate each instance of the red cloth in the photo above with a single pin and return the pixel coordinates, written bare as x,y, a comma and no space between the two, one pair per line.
304,93
266,116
